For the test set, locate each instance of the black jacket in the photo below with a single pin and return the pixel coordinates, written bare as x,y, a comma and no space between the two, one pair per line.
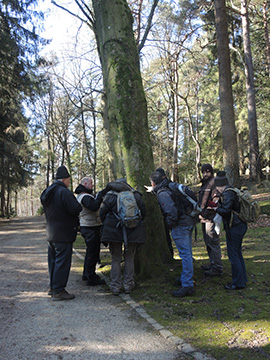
171,214
229,202
111,231
61,211
90,202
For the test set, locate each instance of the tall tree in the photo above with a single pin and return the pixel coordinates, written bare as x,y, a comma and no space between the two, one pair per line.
127,114
230,148
254,155
18,60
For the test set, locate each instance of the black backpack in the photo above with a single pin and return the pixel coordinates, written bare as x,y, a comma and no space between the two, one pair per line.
185,200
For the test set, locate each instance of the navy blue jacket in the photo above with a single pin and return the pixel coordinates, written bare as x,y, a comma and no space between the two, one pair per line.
168,208
61,211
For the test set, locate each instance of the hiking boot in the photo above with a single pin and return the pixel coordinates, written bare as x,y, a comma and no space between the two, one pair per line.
95,280
63,295
213,272
184,291
50,291
206,267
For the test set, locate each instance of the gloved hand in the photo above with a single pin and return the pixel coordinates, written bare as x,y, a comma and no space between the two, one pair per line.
101,193
148,188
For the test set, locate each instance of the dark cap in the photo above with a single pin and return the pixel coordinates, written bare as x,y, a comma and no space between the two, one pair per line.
62,173
161,171
221,179
208,167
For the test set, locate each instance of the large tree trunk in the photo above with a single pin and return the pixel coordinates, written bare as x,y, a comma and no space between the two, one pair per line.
127,117
266,34
230,148
254,156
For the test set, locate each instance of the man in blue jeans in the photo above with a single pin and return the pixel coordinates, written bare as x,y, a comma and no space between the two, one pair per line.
181,225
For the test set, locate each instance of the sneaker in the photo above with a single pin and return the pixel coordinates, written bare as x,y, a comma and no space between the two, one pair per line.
184,291
63,295
95,280
213,272
50,291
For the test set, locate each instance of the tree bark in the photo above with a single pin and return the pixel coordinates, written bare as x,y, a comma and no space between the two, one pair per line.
230,148
127,118
254,155
266,34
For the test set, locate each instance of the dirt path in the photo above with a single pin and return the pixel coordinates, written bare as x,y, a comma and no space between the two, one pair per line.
95,325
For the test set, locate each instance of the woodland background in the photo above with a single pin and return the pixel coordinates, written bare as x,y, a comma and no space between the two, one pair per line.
53,114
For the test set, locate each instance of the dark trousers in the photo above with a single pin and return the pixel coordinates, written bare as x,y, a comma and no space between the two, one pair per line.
168,237
211,239
234,239
59,261
91,237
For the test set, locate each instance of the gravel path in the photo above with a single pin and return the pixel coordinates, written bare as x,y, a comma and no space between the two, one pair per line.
95,325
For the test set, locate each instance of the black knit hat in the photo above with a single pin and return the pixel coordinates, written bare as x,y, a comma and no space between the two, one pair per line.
62,173
161,171
221,179
206,167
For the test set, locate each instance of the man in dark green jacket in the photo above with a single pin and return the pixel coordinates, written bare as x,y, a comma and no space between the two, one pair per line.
61,211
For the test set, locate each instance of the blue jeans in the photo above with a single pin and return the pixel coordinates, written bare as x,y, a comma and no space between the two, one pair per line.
182,236
234,239
59,261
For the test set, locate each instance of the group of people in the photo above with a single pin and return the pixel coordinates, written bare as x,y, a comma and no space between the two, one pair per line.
95,215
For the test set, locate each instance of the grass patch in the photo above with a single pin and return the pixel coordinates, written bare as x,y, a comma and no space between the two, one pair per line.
214,320
226,325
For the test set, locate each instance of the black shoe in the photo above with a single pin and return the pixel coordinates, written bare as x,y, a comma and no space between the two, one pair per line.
184,291
233,287
213,272
206,267
95,280
50,292
63,295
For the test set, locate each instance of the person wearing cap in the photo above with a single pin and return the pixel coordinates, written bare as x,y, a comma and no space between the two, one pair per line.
90,226
235,230
113,234
181,225
208,197
167,230
61,211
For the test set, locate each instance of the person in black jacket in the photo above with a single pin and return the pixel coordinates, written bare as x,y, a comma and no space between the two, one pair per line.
181,225
90,226
112,233
235,230
61,211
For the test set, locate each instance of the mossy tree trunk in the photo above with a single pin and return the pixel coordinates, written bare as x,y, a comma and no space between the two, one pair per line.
126,110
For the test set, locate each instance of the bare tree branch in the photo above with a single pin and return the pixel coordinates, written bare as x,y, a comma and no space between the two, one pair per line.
149,24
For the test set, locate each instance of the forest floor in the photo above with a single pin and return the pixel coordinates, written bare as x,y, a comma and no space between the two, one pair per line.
228,325
95,325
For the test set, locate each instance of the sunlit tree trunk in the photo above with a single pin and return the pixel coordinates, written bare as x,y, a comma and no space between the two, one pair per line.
127,117
230,149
